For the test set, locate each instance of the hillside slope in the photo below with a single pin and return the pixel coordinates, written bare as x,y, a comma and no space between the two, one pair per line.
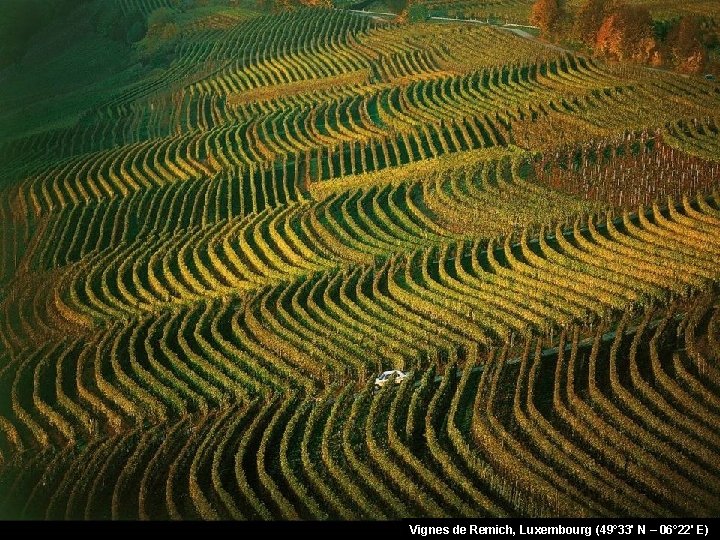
219,224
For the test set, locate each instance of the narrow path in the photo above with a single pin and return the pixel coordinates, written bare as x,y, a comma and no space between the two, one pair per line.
526,35
372,13
487,23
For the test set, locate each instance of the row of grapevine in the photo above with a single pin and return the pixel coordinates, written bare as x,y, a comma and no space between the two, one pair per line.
286,240
597,425
143,6
291,241
645,169
309,328
337,139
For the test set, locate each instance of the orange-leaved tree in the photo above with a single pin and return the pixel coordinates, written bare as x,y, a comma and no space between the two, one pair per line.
590,18
685,45
547,15
627,34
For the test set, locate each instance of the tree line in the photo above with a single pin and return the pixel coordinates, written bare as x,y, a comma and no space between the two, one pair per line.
626,32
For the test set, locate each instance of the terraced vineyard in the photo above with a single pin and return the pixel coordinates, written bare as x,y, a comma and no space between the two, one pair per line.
201,276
